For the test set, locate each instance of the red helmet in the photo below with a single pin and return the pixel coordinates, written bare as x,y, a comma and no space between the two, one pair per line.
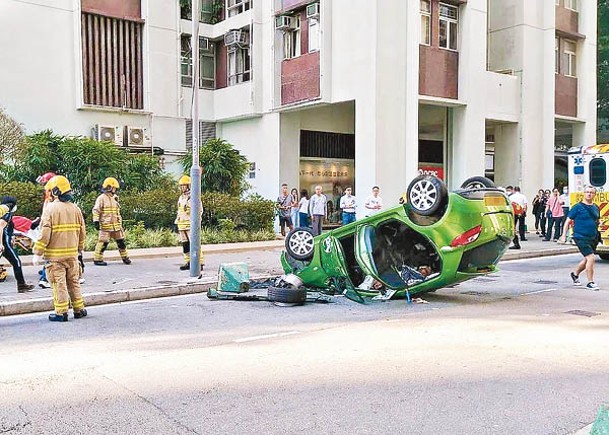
44,178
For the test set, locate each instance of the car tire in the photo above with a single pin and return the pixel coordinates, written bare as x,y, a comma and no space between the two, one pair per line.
604,257
287,295
427,195
477,183
300,243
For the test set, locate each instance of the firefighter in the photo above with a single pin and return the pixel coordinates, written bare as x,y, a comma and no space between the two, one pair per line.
183,220
8,207
108,221
62,238
44,180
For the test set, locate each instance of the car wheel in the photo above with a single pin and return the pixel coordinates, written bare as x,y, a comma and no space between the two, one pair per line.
604,256
287,295
477,183
427,195
300,243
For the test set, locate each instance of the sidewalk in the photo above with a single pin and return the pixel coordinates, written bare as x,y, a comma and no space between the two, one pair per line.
155,273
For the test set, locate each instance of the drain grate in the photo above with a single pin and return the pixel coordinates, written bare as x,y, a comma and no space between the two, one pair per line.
543,281
474,293
485,280
167,282
583,313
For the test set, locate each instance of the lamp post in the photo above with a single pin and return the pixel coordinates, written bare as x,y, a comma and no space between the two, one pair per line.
195,171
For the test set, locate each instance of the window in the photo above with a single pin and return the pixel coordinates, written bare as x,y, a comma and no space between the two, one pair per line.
425,22
207,130
556,55
207,64
571,4
291,41
314,35
598,172
235,7
238,65
570,48
449,16
112,62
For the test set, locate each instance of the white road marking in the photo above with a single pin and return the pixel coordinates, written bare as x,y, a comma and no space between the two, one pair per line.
264,337
539,291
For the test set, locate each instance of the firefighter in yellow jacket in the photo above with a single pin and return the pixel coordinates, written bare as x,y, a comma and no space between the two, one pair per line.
107,219
183,220
62,238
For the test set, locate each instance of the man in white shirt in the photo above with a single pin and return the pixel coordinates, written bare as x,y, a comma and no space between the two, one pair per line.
374,202
347,205
318,208
521,200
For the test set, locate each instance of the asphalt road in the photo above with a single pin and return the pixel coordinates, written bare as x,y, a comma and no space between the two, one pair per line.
503,354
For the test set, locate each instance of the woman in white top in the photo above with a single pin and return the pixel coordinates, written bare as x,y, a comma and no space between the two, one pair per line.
295,207
303,208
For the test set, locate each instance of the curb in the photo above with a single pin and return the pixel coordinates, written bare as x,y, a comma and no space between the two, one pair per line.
511,255
117,296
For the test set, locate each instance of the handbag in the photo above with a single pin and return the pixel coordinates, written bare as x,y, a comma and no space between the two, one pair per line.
598,239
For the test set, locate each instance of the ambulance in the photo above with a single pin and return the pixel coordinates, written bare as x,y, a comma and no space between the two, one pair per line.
588,167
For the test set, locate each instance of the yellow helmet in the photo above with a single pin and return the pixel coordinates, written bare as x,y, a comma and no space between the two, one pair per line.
184,179
110,182
50,184
60,185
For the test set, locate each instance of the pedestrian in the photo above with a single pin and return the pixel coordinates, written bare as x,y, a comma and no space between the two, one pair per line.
347,205
555,213
542,211
517,209
303,208
108,221
183,220
284,205
62,237
318,210
537,212
519,198
8,207
585,216
295,207
374,202
564,199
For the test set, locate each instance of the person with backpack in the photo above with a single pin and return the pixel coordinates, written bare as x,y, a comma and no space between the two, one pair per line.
585,216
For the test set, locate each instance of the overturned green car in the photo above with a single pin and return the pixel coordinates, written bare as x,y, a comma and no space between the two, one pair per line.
435,239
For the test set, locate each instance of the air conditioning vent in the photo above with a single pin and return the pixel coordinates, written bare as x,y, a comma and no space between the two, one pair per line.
284,22
135,136
313,10
108,133
236,38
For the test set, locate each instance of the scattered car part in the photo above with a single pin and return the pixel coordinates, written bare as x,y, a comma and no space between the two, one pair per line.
233,277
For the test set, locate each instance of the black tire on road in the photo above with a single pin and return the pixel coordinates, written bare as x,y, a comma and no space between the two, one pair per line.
427,195
287,295
300,243
477,183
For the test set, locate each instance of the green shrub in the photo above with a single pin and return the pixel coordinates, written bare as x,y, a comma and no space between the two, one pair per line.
29,197
252,214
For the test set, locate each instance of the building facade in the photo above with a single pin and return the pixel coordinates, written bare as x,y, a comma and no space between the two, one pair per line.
330,92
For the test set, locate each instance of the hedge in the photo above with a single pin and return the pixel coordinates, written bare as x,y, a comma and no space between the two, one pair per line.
29,197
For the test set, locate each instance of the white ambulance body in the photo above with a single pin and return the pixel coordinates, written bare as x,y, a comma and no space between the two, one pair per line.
588,167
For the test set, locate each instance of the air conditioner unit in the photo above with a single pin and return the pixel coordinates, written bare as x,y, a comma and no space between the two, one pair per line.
135,136
284,22
108,133
206,44
313,10
234,38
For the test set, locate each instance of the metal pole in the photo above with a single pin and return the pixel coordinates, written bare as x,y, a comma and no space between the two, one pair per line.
195,171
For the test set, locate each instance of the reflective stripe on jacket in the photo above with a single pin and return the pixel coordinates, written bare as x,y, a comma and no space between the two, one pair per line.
183,216
63,231
107,212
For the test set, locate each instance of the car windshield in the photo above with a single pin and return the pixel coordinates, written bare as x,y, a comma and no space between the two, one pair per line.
399,255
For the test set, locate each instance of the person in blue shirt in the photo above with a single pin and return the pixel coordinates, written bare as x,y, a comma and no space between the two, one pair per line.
585,216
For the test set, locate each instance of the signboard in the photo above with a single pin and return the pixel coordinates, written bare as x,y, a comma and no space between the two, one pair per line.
431,169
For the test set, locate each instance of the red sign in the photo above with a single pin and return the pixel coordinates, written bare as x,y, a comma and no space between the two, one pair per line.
438,171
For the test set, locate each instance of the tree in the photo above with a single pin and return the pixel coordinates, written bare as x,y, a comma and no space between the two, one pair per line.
11,134
603,59
224,168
